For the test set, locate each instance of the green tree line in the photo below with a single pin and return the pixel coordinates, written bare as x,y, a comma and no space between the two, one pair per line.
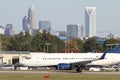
43,42
36,43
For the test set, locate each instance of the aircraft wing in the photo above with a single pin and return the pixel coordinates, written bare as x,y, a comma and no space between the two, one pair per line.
88,61
82,62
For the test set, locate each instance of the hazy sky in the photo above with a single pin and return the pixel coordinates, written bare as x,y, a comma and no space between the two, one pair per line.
62,12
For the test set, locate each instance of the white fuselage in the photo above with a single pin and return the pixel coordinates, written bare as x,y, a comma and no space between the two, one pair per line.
50,59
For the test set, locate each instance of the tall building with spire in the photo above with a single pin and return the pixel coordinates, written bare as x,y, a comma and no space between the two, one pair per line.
90,21
29,22
32,17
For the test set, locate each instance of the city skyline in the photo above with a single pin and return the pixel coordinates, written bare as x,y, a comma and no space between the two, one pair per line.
70,12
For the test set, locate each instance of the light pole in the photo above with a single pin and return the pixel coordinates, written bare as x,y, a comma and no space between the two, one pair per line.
47,46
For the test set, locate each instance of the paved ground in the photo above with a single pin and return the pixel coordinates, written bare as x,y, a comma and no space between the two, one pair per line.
45,72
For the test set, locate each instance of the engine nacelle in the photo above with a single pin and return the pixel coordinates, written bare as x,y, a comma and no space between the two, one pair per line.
64,66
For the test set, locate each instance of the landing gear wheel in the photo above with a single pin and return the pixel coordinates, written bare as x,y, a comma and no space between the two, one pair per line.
79,69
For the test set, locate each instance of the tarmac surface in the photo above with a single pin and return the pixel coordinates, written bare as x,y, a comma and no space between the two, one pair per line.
47,72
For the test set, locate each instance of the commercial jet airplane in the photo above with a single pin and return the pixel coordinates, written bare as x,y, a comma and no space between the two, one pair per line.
62,61
66,61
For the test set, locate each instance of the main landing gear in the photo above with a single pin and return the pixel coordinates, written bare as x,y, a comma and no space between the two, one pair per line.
79,69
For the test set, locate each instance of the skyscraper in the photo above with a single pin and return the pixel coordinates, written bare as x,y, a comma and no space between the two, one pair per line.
90,21
32,17
9,30
25,24
45,25
75,31
72,31
81,31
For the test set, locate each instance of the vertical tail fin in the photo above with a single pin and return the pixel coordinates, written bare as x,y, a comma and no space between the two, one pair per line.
103,55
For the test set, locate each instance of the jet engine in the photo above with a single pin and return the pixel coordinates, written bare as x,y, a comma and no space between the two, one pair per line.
64,66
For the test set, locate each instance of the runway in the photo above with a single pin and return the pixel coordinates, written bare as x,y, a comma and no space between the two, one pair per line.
47,72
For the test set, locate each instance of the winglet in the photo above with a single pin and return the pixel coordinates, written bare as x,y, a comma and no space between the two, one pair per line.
103,56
